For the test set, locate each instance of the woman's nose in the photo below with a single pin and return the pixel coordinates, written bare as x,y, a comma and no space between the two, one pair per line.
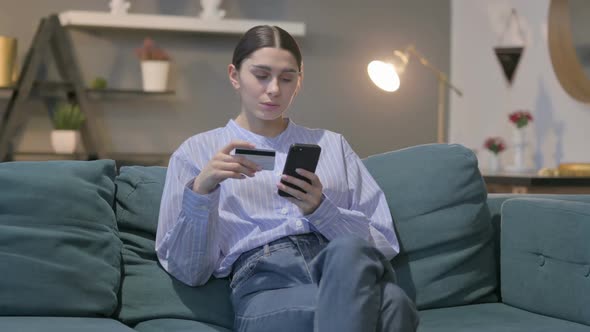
273,87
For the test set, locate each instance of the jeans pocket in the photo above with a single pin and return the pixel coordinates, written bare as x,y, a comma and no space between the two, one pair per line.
245,270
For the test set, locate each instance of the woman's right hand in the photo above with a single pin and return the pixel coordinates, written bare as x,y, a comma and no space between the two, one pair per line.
224,166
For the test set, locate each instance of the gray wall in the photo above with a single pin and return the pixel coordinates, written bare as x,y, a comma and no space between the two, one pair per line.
342,37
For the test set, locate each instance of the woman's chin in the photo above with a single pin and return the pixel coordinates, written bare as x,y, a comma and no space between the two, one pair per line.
269,116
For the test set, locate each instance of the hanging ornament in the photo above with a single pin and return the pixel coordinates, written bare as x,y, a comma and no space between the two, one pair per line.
509,56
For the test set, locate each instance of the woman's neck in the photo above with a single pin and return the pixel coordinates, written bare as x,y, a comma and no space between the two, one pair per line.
270,128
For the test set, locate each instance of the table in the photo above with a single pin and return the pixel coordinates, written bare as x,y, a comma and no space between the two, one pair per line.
523,183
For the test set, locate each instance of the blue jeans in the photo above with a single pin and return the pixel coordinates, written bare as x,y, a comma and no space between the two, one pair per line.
305,283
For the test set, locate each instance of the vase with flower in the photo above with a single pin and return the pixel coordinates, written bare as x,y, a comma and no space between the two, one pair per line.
520,119
495,145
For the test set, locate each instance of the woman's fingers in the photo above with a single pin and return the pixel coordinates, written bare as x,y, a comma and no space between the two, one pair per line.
234,167
305,186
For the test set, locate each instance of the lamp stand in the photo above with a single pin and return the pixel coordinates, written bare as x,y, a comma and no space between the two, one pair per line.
443,83
441,123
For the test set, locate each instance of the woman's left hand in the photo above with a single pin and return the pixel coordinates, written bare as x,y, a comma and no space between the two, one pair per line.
307,201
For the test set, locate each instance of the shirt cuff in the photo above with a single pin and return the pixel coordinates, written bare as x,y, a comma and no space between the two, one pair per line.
323,214
196,205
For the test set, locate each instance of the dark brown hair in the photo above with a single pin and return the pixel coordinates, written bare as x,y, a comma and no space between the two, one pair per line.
265,36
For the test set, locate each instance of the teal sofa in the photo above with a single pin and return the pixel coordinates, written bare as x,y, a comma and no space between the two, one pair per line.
77,250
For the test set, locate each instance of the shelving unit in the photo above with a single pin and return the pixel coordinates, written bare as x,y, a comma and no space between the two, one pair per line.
171,23
51,39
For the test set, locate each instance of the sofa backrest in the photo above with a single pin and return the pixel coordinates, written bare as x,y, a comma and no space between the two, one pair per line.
59,249
437,199
147,291
438,203
546,257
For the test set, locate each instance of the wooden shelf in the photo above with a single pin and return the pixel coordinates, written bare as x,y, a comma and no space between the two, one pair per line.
50,88
171,23
6,92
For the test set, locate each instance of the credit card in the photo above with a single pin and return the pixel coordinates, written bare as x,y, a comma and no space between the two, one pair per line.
263,158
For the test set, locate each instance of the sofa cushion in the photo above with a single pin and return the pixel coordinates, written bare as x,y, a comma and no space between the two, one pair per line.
545,257
438,203
492,317
177,325
148,292
61,324
59,250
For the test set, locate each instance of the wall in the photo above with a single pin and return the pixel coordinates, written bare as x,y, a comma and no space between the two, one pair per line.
560,127
342,37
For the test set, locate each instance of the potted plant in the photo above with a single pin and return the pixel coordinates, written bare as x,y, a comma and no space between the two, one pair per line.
67,120
155,65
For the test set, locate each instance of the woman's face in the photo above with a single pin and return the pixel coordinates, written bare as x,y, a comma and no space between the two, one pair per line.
267,82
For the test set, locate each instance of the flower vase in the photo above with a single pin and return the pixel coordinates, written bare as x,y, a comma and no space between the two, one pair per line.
494,163
519,144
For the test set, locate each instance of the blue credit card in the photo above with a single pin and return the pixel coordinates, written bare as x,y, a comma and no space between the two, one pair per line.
263,158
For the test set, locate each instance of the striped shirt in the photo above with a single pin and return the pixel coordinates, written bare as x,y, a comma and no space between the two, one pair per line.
203,235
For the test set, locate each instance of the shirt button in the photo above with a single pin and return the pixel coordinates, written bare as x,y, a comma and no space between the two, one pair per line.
284,210
299,224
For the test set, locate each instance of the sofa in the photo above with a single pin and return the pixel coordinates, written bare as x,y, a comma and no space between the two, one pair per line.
77,250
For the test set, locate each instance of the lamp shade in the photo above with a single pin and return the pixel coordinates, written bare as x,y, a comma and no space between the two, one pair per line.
384,75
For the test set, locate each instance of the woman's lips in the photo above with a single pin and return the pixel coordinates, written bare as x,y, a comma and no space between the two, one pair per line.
270,106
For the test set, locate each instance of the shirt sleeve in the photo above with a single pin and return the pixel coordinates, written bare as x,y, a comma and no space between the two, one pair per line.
367,215
186,241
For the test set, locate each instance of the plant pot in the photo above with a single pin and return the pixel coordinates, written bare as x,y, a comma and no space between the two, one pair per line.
155,75
65,141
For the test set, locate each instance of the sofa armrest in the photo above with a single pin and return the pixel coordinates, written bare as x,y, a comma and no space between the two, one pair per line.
545,257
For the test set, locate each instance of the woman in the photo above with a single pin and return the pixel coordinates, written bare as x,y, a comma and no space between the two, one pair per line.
317,260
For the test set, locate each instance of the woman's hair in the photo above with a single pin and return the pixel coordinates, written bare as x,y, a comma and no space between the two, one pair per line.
265,36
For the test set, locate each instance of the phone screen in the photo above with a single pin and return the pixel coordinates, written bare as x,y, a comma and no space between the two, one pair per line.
305,156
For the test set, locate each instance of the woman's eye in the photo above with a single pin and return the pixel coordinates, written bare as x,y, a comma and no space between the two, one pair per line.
286,80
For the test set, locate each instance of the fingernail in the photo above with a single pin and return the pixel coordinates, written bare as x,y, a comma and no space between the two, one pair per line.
298,170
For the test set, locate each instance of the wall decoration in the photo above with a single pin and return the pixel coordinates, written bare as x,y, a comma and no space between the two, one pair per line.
509,56
211,9
119,7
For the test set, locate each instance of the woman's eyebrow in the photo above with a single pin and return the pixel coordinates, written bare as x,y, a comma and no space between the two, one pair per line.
268,68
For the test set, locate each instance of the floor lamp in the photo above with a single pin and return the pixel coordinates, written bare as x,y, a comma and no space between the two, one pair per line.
386,75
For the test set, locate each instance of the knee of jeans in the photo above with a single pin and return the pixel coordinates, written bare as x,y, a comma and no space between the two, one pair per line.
350,248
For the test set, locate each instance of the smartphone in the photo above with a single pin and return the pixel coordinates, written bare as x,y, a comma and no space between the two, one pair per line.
300,155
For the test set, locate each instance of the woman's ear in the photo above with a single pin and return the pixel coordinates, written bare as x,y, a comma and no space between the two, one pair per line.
300,83
234,76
